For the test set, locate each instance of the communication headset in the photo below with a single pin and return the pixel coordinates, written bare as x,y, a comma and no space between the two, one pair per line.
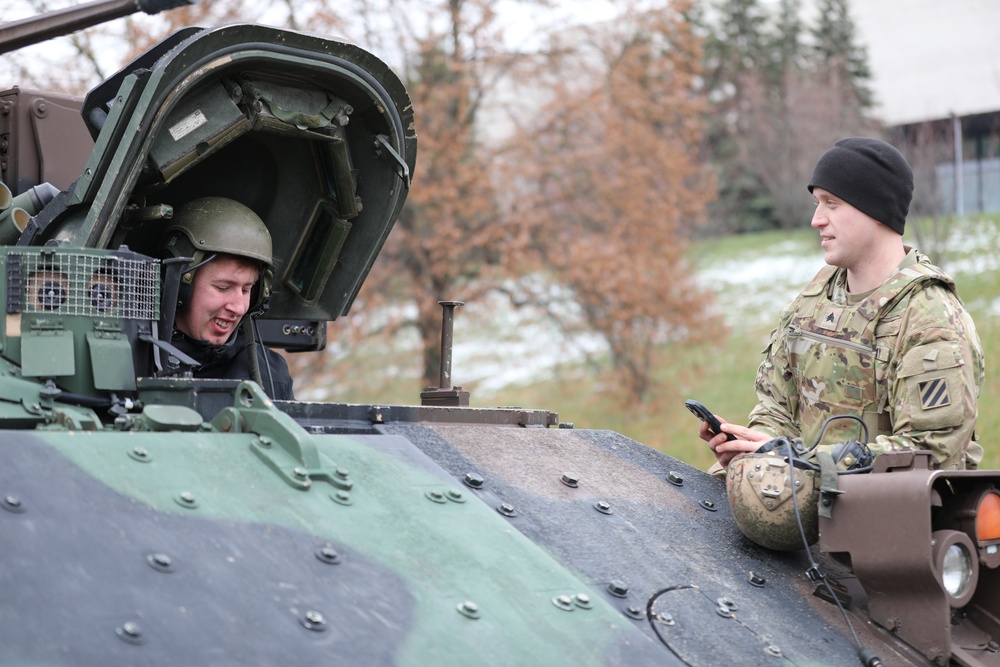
260,294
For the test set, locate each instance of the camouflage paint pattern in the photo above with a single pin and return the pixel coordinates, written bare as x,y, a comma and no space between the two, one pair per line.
906,358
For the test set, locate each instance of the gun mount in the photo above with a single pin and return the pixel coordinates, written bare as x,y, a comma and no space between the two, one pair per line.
36,29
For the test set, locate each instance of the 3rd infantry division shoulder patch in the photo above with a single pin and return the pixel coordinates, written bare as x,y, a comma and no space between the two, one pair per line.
934,393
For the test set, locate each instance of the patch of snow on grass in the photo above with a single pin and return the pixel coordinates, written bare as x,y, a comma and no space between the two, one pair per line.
754,291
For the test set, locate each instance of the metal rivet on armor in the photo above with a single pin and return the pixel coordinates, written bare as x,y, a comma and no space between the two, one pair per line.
436,496
140,454
300,473
724,612
264,441
772,651
342,498
582,600
675,478
618,588
570,480
507,509
313,620
160,562
455,496
12,504
798,482
603,507
130,633
341,479
727,603
750,474
708,504
469,609
756,580
637,614
186,499
665,618
564,602
474,480
328,555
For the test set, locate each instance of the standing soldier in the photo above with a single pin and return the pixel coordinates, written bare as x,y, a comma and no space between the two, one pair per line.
880,333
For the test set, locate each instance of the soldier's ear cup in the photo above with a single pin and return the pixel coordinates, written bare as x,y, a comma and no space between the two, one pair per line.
185,289
177,245
260,295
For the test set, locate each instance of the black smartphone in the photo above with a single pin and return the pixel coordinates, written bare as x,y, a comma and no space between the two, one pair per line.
705,415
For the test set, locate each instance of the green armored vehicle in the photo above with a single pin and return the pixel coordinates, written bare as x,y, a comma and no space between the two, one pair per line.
148,517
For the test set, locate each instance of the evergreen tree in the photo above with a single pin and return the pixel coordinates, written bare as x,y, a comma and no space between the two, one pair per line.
784,48
736,46
835,44
735,49
780,93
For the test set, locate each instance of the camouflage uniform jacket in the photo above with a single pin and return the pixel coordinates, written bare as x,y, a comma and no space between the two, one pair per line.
906,358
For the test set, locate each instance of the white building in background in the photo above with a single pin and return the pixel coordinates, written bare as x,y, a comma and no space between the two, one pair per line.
935,64
938,62
931,59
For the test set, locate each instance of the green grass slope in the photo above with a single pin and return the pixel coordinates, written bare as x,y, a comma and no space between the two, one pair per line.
753,276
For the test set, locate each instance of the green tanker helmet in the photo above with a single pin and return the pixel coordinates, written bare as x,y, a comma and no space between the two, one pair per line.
219,225
759,488
208,226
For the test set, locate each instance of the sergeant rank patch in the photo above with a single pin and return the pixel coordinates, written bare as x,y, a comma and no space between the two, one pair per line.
934,393
829,318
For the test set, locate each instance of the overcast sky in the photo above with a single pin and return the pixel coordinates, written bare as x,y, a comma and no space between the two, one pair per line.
929,58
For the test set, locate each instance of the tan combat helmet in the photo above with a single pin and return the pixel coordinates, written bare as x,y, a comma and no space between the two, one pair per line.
759,487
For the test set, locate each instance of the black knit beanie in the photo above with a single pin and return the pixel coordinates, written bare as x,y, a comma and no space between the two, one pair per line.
871,176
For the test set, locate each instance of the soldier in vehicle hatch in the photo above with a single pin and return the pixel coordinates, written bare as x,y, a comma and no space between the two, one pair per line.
880,333
225,286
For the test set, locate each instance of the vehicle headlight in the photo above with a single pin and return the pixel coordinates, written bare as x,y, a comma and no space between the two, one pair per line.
957,569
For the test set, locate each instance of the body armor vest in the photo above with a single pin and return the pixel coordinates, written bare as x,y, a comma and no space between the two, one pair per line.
840,352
